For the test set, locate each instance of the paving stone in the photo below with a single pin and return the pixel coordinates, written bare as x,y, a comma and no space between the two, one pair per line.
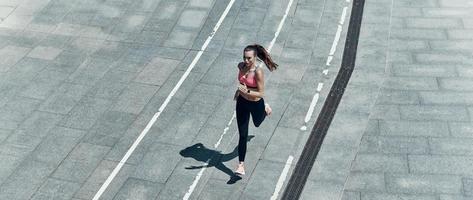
46,53
443,58
282,137
157,71
379,163
410,83
98,177
81,162
406,44
460,34
25,180
264,178
458,84
468,23
366,182
57,145
64,98
19,145
452,165
427,112
423,183
433,23
468,186
463,45
412,128
86,113
325,190
461,129
56,189
446,12
138,189
407,3
134,98
214,190
388,112
44,84
389,145
90,71
201,3
418,34
192,18
351,195
18,109
451,146
387,196
464,71
9,164
392,97
423,70
446,98
453,197
157,163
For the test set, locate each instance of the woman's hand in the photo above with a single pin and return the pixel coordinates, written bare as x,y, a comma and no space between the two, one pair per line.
243,88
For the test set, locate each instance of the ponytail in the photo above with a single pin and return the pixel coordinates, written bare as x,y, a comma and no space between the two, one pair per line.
262,54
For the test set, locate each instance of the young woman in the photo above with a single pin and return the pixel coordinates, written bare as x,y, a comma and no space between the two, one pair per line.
249,95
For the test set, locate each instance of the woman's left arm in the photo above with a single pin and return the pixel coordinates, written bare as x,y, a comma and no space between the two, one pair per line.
259,83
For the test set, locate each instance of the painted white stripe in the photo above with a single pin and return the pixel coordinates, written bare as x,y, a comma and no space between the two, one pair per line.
336,39
325,72
281,23
344,15
282,178
319,87
311,107
162,107
199,175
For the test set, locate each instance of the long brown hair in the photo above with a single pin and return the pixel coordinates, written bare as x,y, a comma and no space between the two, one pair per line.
262,54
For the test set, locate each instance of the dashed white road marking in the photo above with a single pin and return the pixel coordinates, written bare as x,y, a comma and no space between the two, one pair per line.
333,49
282,178
163,106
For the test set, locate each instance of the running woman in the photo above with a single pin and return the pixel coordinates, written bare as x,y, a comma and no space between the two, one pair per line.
249,96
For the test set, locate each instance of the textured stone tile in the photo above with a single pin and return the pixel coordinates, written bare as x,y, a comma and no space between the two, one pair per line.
263,179
436,58
433,23
461,129
452,165
39,123
64,98
56,189
9,164
351,195
25,180
387,112
418,34
412,128
460,34
405,44
453,197
138,189
81,162
468,186
446,98
389,145
423,183
324,190
19,145
387,196
158,163
410,83
157,71
462,45
451,146
407,3
366,182
86,113
458,84
446,12
442,113
392,97
134,98
43,52
465,71
380,163
423,70
98,177
192,18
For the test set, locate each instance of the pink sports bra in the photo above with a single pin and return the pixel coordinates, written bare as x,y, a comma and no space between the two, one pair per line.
249,80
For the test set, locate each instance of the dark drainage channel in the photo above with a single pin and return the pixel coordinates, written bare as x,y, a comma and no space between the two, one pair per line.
311,149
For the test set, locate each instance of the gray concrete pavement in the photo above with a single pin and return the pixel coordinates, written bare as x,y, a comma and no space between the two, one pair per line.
80,81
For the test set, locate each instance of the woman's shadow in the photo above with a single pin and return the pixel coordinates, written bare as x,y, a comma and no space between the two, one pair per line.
212,158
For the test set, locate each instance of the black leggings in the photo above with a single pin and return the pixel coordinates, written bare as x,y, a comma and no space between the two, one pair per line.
243,109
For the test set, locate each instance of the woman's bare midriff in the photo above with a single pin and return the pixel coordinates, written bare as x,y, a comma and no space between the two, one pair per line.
250,98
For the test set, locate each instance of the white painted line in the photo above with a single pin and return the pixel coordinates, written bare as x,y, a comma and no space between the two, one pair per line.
313,103
281,23
199,175
162,107
282,178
